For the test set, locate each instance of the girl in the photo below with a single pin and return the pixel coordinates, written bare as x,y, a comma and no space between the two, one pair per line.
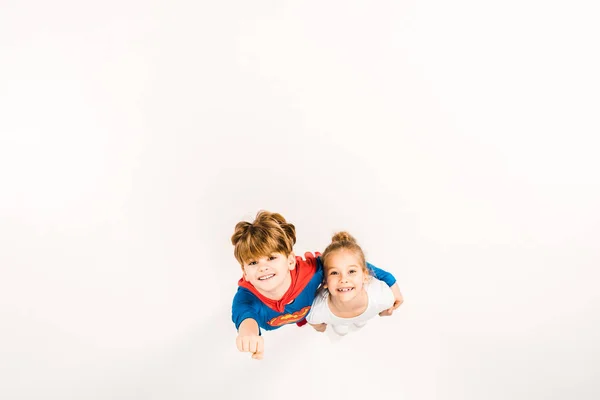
350,295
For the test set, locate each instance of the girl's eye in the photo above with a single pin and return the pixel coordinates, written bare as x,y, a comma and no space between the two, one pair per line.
352,271
333,273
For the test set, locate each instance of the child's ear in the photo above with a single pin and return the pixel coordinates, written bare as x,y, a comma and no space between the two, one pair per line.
292,261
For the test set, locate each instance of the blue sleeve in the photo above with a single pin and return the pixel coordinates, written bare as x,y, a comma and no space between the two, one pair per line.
244,306
319,266
382,275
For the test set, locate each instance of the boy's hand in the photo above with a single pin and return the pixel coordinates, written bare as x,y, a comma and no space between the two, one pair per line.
397,302
319,327
254,344
249,340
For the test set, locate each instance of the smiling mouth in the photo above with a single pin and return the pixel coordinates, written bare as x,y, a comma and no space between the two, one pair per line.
264,278
348,289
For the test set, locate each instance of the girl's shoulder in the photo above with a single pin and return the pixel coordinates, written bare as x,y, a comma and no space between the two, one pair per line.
320,302
379,291
321,295
319,309
375,285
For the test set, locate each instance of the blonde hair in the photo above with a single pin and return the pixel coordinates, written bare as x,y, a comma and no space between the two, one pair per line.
344,241
268,233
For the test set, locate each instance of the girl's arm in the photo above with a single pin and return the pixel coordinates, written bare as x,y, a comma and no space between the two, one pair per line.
398,300
315,316
319,327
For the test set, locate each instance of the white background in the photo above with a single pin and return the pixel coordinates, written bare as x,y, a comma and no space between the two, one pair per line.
457,141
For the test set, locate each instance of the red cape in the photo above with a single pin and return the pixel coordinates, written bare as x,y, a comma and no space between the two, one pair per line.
301,275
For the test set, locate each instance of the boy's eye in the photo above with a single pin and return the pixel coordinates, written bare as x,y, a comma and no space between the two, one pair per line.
333,273
252,263
352,271
272,258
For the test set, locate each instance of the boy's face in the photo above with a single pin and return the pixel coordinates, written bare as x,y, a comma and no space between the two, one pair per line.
270,275
344,276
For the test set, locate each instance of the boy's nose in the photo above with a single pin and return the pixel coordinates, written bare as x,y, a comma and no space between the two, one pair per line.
262,265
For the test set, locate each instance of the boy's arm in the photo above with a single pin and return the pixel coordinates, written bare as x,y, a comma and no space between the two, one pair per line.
391,282
244,316
382,275
249,339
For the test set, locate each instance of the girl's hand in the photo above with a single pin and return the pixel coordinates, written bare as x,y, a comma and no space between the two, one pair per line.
397,302
319,327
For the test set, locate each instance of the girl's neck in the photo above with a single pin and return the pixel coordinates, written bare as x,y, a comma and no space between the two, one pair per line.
351,308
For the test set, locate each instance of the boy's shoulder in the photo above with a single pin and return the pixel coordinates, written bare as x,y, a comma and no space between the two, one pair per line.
310,258
310,261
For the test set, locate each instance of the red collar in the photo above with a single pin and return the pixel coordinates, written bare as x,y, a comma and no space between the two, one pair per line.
301,275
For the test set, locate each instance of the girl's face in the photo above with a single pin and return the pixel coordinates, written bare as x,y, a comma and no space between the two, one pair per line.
344,275
270,275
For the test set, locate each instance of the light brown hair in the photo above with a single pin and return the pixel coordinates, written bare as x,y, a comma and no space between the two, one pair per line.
268,233
343,241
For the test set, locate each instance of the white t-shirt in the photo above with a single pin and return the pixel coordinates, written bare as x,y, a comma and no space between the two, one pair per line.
380,297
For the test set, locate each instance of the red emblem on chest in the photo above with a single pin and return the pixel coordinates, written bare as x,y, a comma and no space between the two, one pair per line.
289,318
